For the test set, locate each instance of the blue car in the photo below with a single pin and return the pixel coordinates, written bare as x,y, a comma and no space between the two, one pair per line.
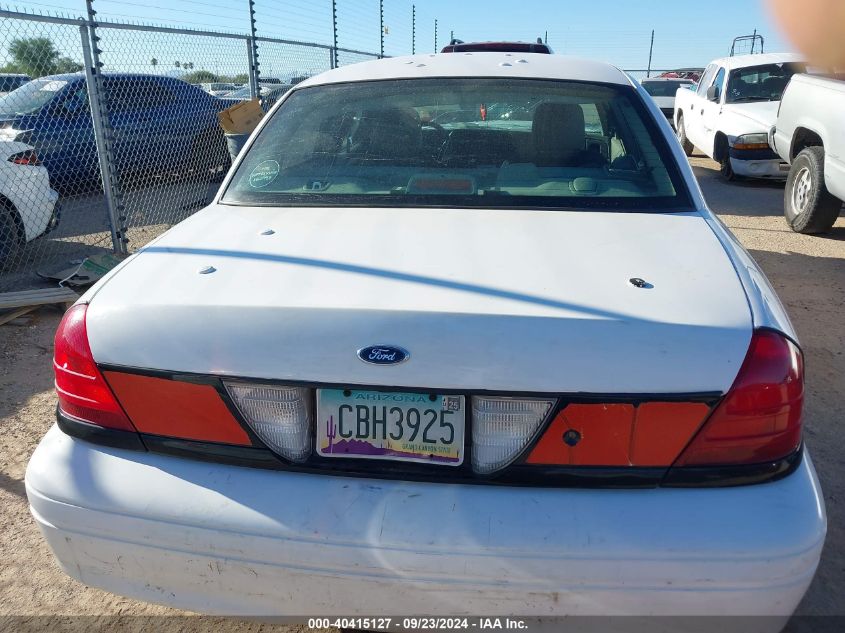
160,124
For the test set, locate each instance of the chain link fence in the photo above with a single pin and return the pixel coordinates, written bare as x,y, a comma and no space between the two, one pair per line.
51,196
109,132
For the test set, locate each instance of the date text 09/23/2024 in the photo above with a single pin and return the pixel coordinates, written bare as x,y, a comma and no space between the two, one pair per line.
419,623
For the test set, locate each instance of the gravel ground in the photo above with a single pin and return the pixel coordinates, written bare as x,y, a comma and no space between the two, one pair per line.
808,273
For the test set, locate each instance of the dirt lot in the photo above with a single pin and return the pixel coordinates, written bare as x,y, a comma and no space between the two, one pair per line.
808,273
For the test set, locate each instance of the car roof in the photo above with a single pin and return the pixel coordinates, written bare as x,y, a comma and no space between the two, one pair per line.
660,79
486,64
758,59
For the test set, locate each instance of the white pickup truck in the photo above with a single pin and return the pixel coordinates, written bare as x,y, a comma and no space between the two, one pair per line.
810,134
729,116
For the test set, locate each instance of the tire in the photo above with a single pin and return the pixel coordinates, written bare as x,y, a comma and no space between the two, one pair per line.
10,236
726,170
681,133
807,205
209,155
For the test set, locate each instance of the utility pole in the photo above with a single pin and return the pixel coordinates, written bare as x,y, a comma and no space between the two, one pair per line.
413,29
753,40
650,51
435,35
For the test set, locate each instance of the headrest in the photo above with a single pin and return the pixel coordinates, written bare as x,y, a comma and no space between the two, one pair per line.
558,131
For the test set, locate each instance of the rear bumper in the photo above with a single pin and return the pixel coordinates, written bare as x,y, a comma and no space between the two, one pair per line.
241,541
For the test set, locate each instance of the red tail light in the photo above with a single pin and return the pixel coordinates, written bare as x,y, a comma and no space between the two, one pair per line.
82,390
759,419
27,157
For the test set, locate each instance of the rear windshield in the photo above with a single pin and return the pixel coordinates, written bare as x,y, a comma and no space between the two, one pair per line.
461,142
30,97
665,88
761,83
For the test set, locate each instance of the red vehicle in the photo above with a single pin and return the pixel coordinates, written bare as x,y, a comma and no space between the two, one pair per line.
693,74
457,46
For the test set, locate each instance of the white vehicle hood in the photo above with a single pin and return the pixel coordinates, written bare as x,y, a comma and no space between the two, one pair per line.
482,299
748,118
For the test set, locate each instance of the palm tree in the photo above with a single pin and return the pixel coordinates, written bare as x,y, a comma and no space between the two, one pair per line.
153,62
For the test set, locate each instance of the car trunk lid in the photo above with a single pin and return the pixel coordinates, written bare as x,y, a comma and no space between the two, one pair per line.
504,300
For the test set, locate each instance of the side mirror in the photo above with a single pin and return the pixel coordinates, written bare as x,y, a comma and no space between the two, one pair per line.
713,93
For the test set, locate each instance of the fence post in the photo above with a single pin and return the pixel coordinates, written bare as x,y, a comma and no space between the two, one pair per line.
252,43
334,34
381,27
253,86
103,133
650,51
413,29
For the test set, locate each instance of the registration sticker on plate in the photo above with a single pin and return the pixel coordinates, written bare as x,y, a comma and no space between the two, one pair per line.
409,427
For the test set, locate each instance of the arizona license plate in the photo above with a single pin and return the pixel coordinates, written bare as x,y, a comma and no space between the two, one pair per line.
407,427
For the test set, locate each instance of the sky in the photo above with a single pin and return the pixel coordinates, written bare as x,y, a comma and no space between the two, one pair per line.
618,31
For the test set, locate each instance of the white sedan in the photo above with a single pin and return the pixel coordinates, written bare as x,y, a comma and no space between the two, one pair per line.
489,367
28,205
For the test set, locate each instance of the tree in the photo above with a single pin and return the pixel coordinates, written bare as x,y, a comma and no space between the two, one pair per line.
200,77
67,65
177,63
240,78
37,56
153,62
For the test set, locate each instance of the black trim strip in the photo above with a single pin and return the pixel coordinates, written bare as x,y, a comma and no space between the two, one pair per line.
536,476
728,476
533,476
753,154
98,435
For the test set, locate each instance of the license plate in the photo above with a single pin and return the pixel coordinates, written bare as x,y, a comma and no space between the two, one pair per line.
405,427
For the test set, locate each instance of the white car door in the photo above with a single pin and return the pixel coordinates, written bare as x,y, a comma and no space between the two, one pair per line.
711,108
694,111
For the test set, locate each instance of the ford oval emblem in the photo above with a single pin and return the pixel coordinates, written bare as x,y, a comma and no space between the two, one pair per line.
383,354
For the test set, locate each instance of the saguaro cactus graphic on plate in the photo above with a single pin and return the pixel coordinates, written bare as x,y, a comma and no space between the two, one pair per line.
331,432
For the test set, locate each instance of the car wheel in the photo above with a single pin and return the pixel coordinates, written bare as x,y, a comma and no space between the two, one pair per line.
10,236
807,204
726,170
682,137
209,154
721,153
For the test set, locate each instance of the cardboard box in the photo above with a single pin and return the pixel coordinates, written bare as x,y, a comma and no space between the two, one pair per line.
241,118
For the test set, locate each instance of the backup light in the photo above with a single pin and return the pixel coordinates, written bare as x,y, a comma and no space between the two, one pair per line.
502,428
281,416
